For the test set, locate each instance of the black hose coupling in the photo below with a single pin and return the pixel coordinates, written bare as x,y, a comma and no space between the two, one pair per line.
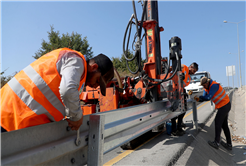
175,47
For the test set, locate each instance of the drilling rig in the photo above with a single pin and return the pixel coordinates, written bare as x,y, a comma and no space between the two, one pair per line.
153,81
132,105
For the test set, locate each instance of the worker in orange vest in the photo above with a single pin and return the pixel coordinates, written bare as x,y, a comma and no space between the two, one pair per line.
48,89
192,69
213,91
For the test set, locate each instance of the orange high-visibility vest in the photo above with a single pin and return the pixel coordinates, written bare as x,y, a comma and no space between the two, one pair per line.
32,96
187,75
220,98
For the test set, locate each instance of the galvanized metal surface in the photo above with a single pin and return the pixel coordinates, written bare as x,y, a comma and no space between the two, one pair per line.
195,115
124,125
54,144
42,144
96,140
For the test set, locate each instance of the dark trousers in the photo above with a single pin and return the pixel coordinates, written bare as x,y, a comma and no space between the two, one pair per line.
221,122
180,117
180,120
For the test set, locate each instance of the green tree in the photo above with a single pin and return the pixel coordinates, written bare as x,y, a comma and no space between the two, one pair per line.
120,63
5,79
73,41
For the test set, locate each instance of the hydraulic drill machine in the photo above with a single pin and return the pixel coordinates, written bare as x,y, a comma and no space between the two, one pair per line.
154,80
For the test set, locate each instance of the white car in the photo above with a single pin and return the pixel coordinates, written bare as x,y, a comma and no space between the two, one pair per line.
195,81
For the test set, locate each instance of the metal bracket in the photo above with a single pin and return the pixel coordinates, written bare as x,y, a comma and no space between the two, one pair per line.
96,140
195,115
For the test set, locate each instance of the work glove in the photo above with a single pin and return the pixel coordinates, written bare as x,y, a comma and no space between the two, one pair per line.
190,92
197,98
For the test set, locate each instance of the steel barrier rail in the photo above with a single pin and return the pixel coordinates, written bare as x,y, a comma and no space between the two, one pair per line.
114,128
47,144
148,117
230,94
109,133
54,143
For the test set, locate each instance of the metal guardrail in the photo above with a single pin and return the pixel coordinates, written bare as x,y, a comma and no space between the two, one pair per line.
109,133
123,126
230,94
48,144
55,144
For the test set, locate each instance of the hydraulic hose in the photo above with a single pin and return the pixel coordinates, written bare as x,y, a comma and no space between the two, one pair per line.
167,69
129,26
164,80
139,40
124,39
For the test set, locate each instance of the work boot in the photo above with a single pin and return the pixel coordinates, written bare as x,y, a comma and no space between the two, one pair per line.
226,145
214,144
177,133
173,133
181,131
183,125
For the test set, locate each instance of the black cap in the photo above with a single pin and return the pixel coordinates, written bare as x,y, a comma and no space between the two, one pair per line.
105,66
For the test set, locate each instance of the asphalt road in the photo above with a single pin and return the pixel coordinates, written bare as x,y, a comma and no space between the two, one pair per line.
200,153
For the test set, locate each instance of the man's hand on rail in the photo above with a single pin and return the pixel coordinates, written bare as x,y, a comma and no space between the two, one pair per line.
74,125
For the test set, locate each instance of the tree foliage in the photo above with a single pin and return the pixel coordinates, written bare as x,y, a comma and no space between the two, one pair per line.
5,79
120,64
73,41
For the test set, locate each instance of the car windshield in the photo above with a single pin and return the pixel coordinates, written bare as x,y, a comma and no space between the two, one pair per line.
197,77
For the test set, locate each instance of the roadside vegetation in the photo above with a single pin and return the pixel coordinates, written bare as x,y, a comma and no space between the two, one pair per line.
5,79
76,42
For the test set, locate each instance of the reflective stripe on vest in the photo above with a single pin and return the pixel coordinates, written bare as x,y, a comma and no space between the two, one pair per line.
32,96
27,98
220,98
44,88
215,97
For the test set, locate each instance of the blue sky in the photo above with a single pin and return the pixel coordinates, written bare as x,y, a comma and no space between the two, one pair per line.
205,38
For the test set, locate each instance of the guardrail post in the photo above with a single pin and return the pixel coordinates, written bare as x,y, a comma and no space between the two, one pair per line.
212,105
96,140
195,114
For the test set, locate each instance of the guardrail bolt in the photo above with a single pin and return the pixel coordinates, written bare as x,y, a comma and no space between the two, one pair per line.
77,143
73,160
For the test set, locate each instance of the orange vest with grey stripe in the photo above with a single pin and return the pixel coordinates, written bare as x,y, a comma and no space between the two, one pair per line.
220,98
187,75
32,96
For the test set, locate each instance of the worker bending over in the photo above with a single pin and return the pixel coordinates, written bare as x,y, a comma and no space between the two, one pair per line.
48,89
213,91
